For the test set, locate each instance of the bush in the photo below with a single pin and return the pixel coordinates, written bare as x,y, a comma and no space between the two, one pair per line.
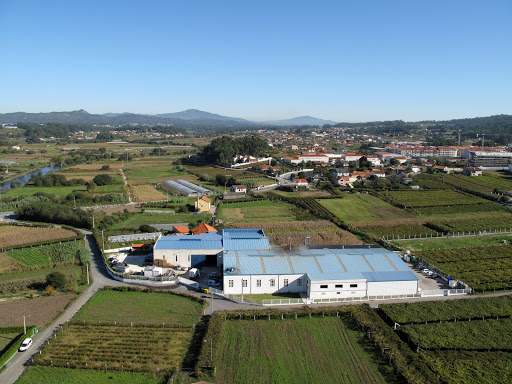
57,280
105,168
145,228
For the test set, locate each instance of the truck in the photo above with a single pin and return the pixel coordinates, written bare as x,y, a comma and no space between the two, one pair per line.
194,272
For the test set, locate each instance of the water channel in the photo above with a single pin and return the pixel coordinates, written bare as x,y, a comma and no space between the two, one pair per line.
26,178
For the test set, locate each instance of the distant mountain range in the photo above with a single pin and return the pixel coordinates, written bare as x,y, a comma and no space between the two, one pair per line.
185,119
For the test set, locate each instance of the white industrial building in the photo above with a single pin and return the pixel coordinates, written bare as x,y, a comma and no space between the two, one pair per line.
251,266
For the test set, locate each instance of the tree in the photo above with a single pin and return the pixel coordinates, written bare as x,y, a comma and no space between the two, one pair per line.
145,228
105,167
102,179
394,161
91,187
56,279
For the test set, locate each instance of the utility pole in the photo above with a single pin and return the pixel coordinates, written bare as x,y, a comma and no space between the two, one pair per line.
103,240
92,221
87,267
212,302
24,324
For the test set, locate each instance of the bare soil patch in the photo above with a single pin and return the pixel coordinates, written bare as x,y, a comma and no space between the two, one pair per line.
8,265
42,310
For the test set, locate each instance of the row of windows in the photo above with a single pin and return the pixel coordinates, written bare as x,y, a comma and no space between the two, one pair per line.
272,283
325,286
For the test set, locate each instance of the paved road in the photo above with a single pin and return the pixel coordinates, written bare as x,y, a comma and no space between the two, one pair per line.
100,279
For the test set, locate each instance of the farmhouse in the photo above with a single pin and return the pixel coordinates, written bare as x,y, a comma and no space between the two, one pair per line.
252,266
238,188
203,204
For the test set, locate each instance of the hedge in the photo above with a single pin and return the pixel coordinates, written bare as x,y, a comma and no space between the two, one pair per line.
13,349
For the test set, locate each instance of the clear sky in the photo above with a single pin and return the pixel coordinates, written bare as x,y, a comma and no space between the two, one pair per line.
340,60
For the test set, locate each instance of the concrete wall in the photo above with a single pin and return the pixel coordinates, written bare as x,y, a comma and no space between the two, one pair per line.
388,288
293,286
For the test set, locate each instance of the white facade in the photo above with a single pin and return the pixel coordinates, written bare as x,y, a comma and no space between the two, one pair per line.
260,284
327,289
392,288
183,257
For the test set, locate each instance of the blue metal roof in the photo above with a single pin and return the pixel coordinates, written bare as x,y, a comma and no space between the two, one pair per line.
321,264
245,239
208,241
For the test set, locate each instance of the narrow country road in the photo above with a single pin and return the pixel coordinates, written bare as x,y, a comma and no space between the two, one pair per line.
100,279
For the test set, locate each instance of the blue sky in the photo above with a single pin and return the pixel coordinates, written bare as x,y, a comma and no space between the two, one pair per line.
339,60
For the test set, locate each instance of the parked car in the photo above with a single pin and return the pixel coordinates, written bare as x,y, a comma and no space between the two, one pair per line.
214,275
213,283
425,271
25,345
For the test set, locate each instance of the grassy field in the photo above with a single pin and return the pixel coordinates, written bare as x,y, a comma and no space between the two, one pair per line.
358,208
257,211
11,235
140,307
48,375
29,190
316,350
451,242
160,218
153,170
308,193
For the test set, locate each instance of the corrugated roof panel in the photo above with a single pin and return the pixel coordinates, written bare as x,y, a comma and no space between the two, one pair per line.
277,265
354,263
379,262
390,276
249,265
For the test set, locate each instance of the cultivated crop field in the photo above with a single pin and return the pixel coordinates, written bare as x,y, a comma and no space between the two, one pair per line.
65,253
306,350
135,221
8,265
361,208
146,192
431,198
475,224
140,307
338,237
49,375
42,310
12,235
483,268
139,348
257,211
397,229
464,341
452,242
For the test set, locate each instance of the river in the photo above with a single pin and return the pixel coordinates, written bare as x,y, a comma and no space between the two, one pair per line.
26,178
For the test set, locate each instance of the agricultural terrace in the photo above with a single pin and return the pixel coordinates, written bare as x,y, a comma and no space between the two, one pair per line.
451,242
308,193
126,329
146,192
257,211
363,208
140,307
428,198
89,171
320,232
306,350
483,268
49,375
464,341
480,225
42,310
431,181
14,235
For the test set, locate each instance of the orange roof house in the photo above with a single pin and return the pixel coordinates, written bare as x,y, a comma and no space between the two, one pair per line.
203,228
181,229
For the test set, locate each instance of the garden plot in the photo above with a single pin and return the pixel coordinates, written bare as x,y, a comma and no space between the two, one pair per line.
13,235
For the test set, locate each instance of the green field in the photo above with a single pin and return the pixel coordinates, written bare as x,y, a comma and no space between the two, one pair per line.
257,211
134,221
60,191
306,350
48,375
361,208
451,242
140,307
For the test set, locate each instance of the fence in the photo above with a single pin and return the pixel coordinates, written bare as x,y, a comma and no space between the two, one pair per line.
13,349
449,234
445,292
247,300
363,298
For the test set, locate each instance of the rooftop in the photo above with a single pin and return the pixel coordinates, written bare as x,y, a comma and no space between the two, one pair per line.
372,264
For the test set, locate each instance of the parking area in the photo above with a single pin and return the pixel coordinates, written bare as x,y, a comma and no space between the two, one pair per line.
210,276
428,283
